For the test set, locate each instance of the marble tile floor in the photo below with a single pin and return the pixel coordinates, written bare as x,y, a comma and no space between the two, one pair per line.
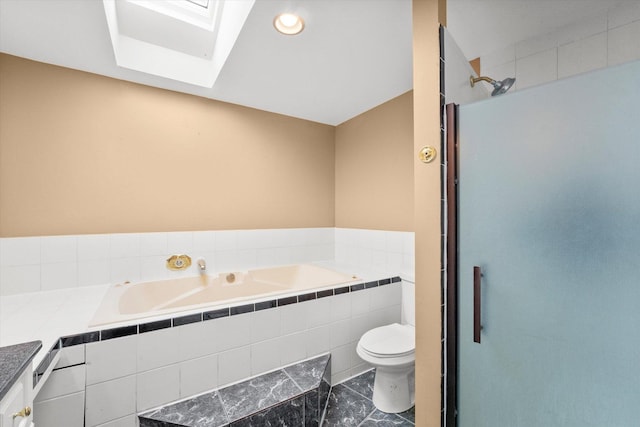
350,405
291,396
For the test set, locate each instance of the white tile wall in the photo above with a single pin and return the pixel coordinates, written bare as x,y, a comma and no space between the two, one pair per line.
582,30
33,264
124,269
190,342
71,356
388,252
234,365
61,400
340,360
157,387
360,303
17,279
498,57
59,276
93,272
153,244
67,411
316,312
340,333
59,249
110,400
624,14
20,251
535,45
318,340
293,347
293,318
198,375
600,41
340,307
538,68
265,356
111,359
128,421
148,345
180,242
62,382
265,324
231,332
583,55
93,247
623,43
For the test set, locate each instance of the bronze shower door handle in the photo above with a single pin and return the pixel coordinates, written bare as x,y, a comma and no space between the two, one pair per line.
477,303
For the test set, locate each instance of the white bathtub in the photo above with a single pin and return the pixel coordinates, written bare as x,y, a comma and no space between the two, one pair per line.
127,301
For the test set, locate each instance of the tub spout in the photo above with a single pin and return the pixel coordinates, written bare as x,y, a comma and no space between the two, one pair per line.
202,265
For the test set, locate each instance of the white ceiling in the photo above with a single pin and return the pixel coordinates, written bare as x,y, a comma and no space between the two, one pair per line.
352,56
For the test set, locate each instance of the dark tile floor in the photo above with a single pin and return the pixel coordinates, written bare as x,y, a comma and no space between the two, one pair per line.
350,405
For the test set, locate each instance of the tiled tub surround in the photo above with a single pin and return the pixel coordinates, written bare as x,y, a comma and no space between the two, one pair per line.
35,264
47,263
294,395
47,315
39,302
119,372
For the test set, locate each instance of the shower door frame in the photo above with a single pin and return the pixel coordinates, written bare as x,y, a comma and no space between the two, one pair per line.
450,314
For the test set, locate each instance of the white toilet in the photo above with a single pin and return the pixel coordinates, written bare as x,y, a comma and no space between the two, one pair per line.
391,350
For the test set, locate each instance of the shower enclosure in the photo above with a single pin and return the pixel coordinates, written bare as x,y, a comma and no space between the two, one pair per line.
549,255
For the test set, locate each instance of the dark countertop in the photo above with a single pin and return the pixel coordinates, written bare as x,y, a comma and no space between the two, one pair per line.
14,359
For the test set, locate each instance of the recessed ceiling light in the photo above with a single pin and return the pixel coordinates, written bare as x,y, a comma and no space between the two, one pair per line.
288,23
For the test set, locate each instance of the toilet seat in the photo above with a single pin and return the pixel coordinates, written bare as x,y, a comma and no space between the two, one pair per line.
389,341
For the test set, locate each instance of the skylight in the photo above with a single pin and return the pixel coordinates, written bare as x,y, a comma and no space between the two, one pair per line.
184,40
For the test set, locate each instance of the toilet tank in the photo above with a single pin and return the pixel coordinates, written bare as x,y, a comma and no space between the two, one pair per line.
408,315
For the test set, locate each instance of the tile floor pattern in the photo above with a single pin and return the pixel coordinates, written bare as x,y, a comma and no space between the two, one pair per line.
350,405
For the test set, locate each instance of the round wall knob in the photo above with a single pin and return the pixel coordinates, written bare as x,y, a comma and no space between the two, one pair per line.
427,154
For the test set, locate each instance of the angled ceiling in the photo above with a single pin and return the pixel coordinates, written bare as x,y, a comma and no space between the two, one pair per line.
352,56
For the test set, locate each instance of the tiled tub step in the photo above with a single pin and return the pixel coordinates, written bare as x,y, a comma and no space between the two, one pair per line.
292,396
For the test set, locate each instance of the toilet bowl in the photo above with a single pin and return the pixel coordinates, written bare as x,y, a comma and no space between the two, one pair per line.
391,350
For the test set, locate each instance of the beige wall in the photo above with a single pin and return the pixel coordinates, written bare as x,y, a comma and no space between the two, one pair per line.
81,153
374,168
427,198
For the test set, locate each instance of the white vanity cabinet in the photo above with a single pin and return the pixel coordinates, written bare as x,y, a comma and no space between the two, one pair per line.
16,383
15,407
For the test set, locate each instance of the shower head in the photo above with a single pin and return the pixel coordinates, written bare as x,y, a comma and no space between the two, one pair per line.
499,87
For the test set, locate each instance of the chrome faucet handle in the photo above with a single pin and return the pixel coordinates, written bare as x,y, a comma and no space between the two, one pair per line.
202,264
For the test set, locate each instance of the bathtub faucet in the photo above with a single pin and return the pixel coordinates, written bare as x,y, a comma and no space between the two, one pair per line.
202,265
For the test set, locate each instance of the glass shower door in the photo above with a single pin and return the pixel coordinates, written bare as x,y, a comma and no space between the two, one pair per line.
549,210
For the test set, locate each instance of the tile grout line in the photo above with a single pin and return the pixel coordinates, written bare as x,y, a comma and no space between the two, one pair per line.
224,408
294,381
356,392
368,416
360,394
